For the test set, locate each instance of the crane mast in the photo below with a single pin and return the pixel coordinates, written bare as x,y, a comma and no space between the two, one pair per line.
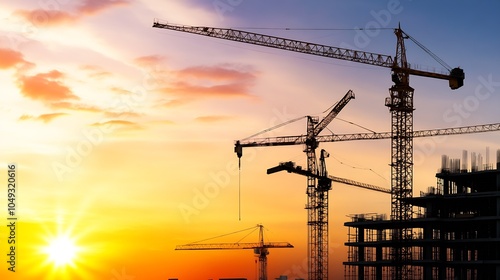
399,102
317,196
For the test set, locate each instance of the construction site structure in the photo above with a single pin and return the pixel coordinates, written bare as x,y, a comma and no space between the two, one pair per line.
399,102
260,248
455,228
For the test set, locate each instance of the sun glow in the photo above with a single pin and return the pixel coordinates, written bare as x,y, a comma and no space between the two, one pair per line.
62,251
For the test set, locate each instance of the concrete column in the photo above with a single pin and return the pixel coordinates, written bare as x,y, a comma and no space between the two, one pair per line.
361,254
379,256
442,255
427,252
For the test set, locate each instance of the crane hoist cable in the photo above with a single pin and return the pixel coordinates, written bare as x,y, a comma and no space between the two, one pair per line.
227,234
429,52
274,127
309,29
355,124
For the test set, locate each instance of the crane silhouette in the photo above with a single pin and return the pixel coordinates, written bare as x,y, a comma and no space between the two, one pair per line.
260,248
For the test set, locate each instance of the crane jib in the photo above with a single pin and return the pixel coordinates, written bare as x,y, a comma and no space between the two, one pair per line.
300,139
285,44
455,77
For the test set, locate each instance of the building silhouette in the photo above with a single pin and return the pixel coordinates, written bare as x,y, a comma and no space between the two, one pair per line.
455,228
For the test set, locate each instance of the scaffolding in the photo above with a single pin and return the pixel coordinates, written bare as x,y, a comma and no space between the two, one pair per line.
455,228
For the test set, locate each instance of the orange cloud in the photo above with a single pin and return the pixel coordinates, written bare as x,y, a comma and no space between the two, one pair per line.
215,73
76,107
46,87
237,89
175,102
115,122
47,17
118,125
96,71
211,119
49,89
46,118
149,60
197,82
161,122
10,58
121,114
94,6
209,82
119,90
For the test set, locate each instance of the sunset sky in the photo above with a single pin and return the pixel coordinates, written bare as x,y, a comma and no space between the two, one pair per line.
123,134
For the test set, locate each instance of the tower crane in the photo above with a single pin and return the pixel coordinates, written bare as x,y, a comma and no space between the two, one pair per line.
261,248
399,102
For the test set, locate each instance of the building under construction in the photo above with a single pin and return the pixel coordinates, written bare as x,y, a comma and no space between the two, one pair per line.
455,229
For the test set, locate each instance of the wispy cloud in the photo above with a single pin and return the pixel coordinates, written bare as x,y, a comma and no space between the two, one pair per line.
76,107
95,71
149,60
119,125
217,73
120,90
174,102
212,119
121,114
161,122
188,90
46,118
90,7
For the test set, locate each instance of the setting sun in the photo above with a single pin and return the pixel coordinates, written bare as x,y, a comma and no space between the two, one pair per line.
61,251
